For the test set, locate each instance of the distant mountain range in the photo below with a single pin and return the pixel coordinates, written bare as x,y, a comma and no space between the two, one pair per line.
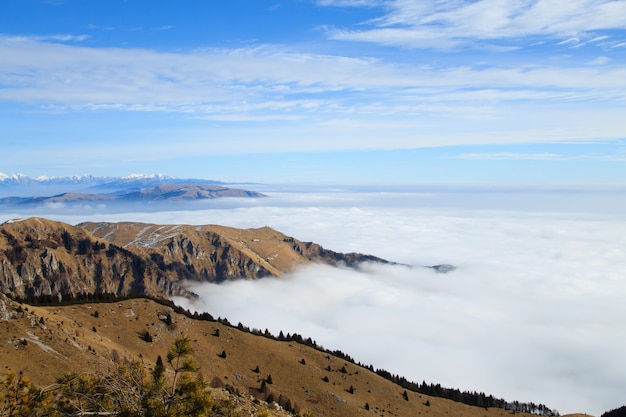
161,193
134,180
18,180
26,191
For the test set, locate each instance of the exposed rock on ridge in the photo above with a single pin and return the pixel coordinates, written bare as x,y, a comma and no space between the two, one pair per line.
40,257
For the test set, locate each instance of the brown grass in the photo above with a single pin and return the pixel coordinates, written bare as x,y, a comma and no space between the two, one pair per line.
45,342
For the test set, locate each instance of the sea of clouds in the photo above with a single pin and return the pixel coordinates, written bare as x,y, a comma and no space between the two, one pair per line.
534,311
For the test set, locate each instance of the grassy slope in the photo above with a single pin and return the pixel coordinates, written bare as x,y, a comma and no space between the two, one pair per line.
59,339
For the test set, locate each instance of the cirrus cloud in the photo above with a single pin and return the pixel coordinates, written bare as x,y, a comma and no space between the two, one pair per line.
452,24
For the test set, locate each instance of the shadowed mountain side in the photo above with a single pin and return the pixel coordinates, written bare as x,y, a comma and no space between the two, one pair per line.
40,257
255,371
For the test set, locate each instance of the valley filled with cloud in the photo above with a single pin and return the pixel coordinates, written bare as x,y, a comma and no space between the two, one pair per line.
533,312
434,97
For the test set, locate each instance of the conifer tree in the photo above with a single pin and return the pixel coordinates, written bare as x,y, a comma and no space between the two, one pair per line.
130,390
19,397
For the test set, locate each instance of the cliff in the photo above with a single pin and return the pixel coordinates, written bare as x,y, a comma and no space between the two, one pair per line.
41,257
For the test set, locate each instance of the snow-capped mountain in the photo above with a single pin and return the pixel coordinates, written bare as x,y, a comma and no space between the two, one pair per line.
21,185
24,180
22,191
91,180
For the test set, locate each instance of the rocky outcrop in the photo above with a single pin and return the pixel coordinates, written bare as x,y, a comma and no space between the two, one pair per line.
44,258
443,268
41,258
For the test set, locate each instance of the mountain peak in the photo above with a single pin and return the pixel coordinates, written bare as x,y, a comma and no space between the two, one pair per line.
146,176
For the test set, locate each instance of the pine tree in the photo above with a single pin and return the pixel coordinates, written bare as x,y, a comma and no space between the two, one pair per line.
131,390
19,397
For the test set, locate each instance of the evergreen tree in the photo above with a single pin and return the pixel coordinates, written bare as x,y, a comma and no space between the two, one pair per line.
130,390
19,397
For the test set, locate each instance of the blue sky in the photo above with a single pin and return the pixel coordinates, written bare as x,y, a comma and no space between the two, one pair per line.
352,91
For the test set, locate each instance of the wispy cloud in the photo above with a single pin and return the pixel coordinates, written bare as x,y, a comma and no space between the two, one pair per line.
62,74
339,102
512,156
574,41
44,38
451,24
504,156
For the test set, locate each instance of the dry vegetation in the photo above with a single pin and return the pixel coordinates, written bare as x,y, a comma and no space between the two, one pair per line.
45,342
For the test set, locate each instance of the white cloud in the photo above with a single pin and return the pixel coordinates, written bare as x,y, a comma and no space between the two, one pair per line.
45,38
512,156
569,41
532,313
263,97
40,72
414,105
451,24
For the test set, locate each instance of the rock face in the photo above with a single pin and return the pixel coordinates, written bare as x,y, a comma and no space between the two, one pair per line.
40,257
443,268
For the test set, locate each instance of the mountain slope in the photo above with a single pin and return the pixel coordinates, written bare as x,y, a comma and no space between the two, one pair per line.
45,342
40,257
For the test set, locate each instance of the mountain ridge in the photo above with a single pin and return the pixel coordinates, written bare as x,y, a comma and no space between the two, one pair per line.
23,179
156,194
261,375
16,188
41,257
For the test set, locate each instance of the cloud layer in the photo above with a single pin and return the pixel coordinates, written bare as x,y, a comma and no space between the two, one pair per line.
329,101
534,311
306,78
